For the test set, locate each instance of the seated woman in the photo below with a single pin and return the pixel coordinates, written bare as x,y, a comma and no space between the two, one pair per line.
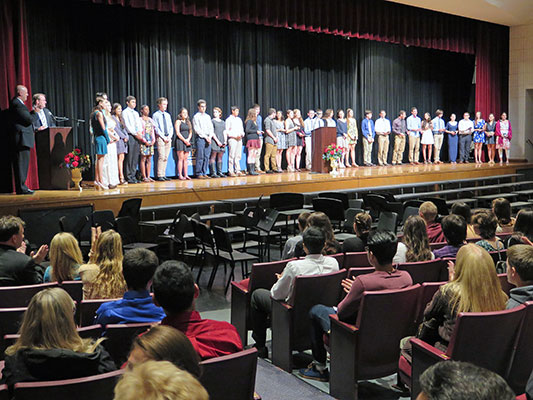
49,347
164,343
361,227
321,221
102,277
485,225
522,229
463,210
502,209
415,243
65,259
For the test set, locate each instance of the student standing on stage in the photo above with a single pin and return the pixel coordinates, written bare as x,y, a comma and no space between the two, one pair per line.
490,130
479,136
308,129
453,139
383,130
202,125
504,133
182,143
414,126
279,125
218,145
271,140
351,139
369,133
466,127
235,133
252,140
110,177
399,127
101,139
134,128
328,119
122,144
438,134
290,130
165,132
300,136
259,121
342,133
427,138
147,144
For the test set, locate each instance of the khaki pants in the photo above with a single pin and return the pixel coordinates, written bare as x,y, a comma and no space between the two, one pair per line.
234,155
270,156
399,148
414,148
367,150
163,150
258,159
383,149
438,139
309,152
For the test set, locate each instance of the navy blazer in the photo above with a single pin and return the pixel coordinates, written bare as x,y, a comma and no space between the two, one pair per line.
37,121
21,126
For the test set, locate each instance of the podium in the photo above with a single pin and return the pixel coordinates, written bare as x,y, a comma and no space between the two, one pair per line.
322,138
52,145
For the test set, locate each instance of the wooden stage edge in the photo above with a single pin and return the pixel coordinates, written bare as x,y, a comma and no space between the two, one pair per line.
176,191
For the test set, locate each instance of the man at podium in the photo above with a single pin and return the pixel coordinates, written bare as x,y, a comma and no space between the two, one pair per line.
41,116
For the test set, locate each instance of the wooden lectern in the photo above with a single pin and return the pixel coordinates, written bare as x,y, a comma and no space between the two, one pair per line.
322,138
52,145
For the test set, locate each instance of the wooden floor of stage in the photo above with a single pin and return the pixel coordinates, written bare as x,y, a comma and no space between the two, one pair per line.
176,191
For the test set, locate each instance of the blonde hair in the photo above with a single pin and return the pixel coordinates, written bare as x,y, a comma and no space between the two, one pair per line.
48,323
109,283
428,210
159,380
475,286
65,255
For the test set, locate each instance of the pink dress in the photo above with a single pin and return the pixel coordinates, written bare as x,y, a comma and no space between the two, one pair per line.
503,134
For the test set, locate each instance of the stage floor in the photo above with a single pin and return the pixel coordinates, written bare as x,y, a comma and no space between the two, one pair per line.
177,191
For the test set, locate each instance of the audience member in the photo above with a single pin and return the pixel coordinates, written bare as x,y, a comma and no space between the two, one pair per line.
520,274
458,380
16,268
462,209
485,225
175,291
157,380
381,249
454,229
314,264
65,259
164,343
361,227
321,221
502,209
290,244
102,277
415,245
428,211
138,268
523,227
49,347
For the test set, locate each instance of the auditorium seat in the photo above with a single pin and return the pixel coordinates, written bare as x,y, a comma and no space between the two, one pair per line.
262,276
20,296
230,377
86,310
356,260
355,272
120,338
522,363
73,288
370,348
506,286
10,319
86,332
426,271
333,208
290,322
427,291
99,387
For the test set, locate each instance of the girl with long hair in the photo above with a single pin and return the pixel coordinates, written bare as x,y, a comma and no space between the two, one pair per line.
342,135
65,259
321,221
427,138
110,175
101,139
504,134
351,138
300,138
279,124
415,244
479,136
490,131
182,143
122,144
290,131
253,143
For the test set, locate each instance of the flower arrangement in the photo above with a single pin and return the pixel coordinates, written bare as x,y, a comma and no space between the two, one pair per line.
332,152
75,159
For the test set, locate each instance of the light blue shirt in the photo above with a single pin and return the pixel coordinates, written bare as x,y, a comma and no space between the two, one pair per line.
159,118
412,124
367,126
309,124
438,124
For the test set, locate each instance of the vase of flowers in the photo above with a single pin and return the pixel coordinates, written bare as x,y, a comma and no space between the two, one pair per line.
76,162
333,154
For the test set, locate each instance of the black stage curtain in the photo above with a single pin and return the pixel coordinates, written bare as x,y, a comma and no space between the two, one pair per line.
78,48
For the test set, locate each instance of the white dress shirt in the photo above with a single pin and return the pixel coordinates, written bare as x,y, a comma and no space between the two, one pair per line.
160,118
234,127
465,125
382,126
203,126
313,264
132,121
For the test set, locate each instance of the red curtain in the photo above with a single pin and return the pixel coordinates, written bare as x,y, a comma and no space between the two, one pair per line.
15,66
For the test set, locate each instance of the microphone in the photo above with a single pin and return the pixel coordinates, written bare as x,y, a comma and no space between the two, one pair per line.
59,119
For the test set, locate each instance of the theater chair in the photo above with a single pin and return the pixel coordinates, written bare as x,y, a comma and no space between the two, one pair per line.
427,291
484,339
370,348
522,363
120,338
73,288
290,322
86,332
357,260
99,387
506,286
86,310
230,377
262,276
20,296
426,271
10,319
355,272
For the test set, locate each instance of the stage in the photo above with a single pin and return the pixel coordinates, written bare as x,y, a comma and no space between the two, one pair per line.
177,191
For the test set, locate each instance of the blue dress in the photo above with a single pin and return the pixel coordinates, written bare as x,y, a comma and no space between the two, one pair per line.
101,139
491,128
479,136
453,140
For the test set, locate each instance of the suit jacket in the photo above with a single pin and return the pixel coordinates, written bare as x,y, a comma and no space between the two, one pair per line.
21,124
37,121
17,268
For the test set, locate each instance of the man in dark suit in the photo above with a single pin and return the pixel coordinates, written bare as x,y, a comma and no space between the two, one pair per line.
16,268
41,116
22,137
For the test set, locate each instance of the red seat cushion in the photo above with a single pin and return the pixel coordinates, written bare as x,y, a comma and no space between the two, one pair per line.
244,284
404,366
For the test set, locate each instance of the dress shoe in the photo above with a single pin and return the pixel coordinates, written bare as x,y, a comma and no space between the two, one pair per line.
27,191
161,179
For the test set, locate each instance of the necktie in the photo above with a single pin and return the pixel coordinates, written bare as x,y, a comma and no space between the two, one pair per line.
165,129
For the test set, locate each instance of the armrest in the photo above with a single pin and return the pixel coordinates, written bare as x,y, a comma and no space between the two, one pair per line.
424,356
238,286
428,350
334,318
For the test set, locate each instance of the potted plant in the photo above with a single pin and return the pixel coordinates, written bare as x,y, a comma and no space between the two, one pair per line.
333,154
76,162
